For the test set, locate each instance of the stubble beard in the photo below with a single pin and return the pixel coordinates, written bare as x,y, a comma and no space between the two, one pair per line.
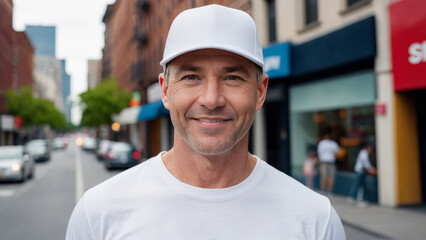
213,148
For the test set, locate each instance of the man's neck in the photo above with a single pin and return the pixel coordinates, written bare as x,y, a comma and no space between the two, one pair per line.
218,171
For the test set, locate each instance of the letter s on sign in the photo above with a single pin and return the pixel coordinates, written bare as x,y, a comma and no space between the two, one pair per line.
417,53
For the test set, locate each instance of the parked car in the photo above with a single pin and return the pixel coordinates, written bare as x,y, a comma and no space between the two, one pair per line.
102,149
121,155
38,149
15,164
89,144
59,143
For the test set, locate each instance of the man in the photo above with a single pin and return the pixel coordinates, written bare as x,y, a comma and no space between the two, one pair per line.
362,166
326,150
208,186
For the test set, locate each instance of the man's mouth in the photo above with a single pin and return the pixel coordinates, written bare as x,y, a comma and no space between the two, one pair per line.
211,120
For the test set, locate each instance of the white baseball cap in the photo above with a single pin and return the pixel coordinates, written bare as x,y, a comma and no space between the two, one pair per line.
216,27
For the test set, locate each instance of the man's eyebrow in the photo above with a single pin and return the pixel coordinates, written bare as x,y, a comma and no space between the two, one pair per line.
238,68
187,67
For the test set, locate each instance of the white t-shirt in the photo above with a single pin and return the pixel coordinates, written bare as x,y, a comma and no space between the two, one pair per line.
327,150
148,202
362,161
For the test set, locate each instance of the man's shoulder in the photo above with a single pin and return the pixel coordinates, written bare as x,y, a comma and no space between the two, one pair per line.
290,189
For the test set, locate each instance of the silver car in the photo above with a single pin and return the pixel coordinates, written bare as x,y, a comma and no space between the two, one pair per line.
15,164
38,149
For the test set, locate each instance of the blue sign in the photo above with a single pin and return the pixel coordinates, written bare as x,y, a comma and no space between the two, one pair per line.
276,60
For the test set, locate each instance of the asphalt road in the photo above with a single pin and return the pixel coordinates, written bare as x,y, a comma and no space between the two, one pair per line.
39,208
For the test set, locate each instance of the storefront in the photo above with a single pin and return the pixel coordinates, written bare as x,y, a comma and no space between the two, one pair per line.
333,91
156,130
408,43
275,108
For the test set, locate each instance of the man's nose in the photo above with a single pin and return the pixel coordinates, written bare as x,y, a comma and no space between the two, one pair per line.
211,95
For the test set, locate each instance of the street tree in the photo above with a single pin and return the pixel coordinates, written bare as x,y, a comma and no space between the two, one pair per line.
102,102
33,111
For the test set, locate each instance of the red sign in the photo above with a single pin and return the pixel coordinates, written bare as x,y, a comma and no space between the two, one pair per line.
381,109
18,121
408,43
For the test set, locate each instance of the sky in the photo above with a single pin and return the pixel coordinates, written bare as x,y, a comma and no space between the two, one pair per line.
79,33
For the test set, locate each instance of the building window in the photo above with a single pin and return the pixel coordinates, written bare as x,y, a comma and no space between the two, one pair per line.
271,20
311,11
350,3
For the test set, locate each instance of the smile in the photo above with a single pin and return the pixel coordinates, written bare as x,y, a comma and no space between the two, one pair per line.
212,120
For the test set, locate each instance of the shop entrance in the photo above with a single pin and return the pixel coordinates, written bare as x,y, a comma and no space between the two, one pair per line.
421,123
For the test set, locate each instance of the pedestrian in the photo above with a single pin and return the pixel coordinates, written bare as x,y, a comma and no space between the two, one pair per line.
309,168
327,150
207,186
362,167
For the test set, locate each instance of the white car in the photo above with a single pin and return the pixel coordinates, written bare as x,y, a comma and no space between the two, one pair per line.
89,144
59,143
103,149
15,164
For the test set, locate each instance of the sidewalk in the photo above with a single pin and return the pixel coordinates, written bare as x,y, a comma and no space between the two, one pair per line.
391,223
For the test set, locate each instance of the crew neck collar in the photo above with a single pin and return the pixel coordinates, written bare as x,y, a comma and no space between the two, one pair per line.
214,194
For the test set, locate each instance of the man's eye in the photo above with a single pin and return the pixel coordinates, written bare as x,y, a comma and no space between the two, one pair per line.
190,77
232,77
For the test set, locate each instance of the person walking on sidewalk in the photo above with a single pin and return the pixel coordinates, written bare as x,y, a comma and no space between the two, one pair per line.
207,186
326,150
362,166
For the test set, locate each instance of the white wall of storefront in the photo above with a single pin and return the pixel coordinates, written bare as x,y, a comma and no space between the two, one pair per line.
384,123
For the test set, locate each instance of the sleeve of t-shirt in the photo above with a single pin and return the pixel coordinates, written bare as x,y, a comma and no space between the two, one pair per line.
79,226
336,147
366,161
334,230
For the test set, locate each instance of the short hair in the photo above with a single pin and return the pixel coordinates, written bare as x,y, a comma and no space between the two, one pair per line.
366,144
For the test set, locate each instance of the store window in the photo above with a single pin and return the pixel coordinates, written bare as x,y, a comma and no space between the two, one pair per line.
311,11
342,106
349,127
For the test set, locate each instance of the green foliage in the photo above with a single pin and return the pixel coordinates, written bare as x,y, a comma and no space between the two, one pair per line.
33,111
102,102
68,127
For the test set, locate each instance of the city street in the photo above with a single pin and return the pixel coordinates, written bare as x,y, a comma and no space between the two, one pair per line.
40,207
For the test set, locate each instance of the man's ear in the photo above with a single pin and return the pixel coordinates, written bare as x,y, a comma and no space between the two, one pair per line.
164,88
261,89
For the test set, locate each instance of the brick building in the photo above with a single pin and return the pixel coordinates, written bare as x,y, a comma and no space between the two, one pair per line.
120,49
16,55
6,49
23,61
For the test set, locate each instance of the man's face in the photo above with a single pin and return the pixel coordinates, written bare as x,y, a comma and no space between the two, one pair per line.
212,96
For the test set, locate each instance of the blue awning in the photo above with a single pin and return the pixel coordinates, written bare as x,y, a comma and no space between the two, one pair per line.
152,111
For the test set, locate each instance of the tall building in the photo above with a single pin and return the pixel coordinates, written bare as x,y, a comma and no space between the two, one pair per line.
47,72
93,73
66,91
43,38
